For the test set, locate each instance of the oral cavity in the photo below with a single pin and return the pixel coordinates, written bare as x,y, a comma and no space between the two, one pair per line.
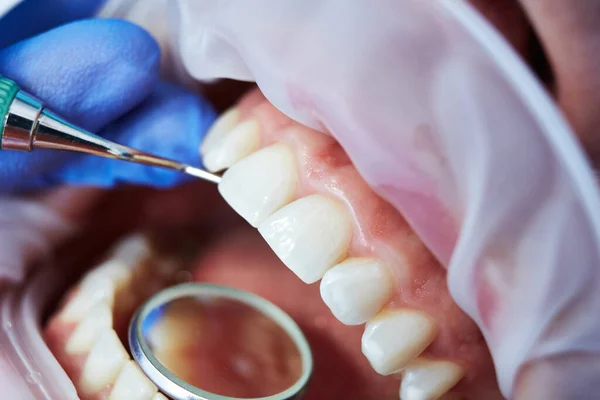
293,190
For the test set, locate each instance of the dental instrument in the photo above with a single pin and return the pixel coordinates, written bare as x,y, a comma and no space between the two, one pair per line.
213,309
28,125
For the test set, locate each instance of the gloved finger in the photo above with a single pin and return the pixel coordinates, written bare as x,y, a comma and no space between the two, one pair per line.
42,15
170,123
90,72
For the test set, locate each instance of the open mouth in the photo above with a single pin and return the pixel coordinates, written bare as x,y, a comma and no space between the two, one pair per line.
314,239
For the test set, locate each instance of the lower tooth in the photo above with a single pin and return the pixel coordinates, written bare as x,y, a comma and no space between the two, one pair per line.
103,363
356,289
428,379
90,293
394,338
132,384
132,250
309,235
98,320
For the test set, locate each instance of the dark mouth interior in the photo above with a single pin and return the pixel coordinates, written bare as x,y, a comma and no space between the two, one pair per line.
188,221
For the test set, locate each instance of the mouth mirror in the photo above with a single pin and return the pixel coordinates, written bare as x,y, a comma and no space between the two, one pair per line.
207,342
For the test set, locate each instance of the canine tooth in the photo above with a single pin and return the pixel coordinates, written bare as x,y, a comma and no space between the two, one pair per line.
99,319
356,289
261,183
103,363
132,250
132,384
227,143
429,379
309,235
394,338
89,293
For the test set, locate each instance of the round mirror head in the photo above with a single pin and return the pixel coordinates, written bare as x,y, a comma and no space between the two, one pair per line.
215,342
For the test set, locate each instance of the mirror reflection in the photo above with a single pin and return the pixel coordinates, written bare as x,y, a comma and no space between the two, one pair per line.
223,346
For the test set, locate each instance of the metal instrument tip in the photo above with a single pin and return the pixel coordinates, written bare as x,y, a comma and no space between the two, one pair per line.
202,174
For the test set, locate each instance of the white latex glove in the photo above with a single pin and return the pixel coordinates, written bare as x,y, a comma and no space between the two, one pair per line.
445,121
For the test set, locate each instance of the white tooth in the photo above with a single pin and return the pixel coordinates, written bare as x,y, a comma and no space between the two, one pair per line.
103,364
224,147
428,379
132,250
394,338
356,289
132,384
90,292
261,183
310,235
225,123
159,396
83,338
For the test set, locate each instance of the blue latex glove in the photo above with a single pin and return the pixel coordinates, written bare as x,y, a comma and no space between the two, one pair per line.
103,76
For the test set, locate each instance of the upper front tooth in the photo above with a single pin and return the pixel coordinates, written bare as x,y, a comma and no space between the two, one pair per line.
103,363
310,235
356,289
394,338
261,183
226,144
428,379
99,319
132,384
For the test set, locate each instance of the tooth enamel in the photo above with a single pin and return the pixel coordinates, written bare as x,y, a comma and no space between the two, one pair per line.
114,270
394,338
83,338
132,250
103,363
356,289
310,235
224,147
132,384
428,379
92,291
225,123
159,396
261,183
